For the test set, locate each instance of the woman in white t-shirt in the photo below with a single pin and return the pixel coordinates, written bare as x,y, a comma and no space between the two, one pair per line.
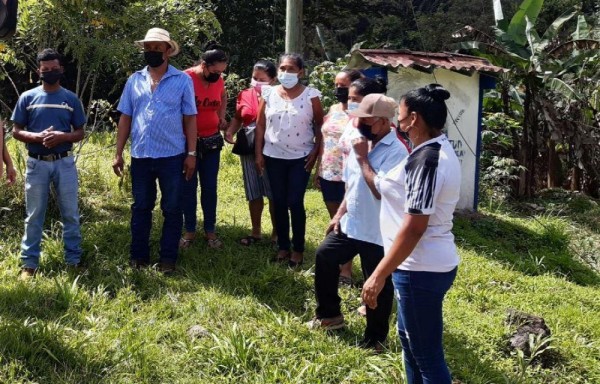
418,199
287,141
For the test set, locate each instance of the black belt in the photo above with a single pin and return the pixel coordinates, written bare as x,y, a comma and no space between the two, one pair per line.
50,157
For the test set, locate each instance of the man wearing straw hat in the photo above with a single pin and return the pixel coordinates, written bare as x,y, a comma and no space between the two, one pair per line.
158,111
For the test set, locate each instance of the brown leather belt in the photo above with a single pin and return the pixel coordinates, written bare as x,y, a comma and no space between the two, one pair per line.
50,157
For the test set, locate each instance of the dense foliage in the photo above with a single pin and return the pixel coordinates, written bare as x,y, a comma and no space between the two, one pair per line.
97,38
554,98
553,79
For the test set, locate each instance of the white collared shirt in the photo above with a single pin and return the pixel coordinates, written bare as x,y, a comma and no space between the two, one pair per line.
361,221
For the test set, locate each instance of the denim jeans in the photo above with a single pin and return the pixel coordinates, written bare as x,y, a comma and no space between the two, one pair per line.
288,180
207,168
420,297
40,174
144,174
337,249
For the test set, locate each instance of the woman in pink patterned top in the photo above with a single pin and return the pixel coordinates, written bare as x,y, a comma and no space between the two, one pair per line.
330,163
357,90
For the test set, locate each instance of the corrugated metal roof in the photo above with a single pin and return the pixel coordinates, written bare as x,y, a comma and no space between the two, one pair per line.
423,61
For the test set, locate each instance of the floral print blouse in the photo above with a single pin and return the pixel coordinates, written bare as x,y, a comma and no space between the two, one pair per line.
332,159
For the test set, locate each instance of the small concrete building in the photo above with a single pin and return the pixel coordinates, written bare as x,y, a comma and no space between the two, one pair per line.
465,77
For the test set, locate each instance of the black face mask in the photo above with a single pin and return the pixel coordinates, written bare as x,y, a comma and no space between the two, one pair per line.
365,130
403,134
341,94
212,77
51,77
154,58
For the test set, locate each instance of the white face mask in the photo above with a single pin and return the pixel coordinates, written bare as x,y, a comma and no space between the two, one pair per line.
258,84
352,105
287,79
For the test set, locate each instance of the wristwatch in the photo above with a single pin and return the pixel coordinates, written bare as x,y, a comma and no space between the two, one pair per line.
192,153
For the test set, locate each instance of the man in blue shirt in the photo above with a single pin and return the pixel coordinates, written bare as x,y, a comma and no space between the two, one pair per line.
49,119
355,227
158,111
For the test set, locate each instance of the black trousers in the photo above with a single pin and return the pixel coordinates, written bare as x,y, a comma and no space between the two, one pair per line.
338,249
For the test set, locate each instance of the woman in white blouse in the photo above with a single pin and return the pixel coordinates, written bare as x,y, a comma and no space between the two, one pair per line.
287,141
418,199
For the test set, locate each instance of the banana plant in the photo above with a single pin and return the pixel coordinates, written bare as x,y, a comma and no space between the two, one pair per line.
537,65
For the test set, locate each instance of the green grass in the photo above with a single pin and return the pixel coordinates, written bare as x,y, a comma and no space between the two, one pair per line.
116,325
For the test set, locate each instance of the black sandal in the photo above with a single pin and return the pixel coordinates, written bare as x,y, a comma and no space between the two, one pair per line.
296,263
249,240
281,258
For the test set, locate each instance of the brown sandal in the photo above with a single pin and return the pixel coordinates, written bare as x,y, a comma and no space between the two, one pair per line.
185,243
215,243
249,240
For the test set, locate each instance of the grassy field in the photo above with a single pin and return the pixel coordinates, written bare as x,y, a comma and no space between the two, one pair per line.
229,316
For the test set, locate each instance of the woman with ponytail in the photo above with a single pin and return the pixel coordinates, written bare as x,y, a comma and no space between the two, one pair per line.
211,102
418,199
330,164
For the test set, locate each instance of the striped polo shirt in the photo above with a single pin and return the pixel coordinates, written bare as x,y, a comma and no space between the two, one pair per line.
157,117
37,110
427,182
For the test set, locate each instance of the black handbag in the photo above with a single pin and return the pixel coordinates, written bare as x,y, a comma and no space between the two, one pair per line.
210,143
244,142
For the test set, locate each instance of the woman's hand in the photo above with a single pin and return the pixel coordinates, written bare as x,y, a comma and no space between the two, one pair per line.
371,289
229,137
223,124
311,159
317,182
259,162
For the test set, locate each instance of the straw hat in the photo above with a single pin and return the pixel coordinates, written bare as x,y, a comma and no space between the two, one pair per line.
159,34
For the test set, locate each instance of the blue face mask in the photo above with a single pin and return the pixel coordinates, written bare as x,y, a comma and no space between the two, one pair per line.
352,105
287,79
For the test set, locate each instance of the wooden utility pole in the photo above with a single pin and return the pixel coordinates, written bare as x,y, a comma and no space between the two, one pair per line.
293,26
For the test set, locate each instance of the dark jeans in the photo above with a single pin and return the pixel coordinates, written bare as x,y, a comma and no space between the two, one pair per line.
207,168
338,249
288,180
420,325
144,174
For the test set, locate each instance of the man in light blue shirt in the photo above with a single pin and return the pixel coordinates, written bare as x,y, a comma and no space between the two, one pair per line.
159,113
355,227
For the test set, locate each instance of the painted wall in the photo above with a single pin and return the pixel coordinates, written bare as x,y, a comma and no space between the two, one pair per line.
462,123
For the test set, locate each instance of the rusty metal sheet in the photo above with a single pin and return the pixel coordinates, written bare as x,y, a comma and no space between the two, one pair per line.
423,61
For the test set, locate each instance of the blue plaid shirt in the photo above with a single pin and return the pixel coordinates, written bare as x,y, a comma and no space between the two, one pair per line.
157,117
